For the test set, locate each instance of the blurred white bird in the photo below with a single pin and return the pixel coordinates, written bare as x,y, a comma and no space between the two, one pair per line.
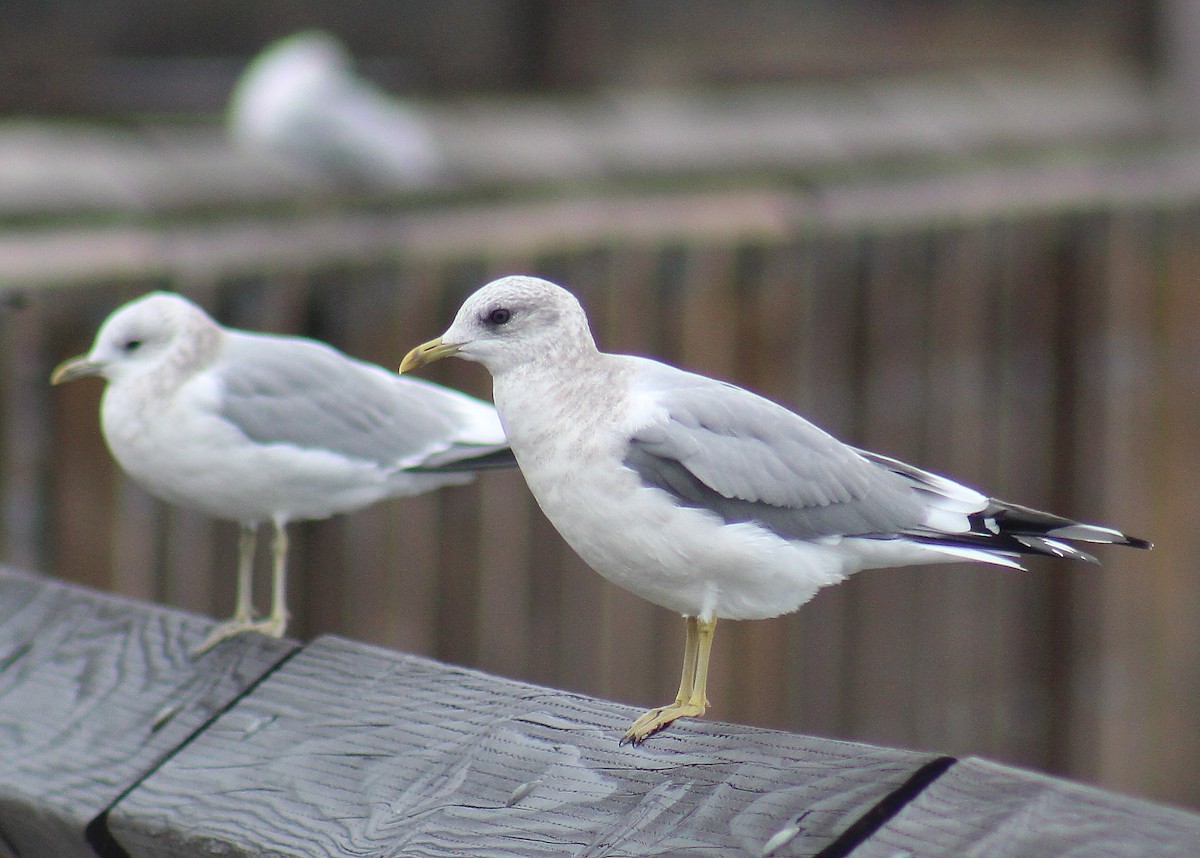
258,427
301,100
705,498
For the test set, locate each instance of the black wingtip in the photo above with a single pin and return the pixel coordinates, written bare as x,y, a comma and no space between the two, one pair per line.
494,460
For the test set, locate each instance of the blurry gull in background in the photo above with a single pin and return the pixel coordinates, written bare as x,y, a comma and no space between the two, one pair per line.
705,498
300,100
258,427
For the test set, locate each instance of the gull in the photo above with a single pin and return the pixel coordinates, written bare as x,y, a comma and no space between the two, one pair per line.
703,497
255,427
300,99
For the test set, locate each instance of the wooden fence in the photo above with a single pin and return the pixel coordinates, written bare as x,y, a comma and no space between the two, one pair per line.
1027,327
116,743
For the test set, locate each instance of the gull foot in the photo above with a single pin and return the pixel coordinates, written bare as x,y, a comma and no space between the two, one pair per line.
271,626
656,719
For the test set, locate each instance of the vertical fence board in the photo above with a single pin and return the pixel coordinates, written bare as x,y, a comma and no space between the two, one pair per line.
893,394
1170,581
1122,356
1097,319
958,691
824,353
1025,641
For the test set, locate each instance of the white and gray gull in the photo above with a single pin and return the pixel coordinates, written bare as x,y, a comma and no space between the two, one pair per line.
257,427
705,498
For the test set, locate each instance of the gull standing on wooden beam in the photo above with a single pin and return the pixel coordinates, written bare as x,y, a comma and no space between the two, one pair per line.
705,498
256,427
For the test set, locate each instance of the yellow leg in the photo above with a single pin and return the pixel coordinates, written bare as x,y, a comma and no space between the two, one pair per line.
276,623
243,618
691,701
243,610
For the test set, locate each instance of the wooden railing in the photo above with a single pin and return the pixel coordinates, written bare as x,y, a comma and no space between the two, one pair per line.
117,743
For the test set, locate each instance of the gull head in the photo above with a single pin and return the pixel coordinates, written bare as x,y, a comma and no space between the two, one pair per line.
155,331
512,322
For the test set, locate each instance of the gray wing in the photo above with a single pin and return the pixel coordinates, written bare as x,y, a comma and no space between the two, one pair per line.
744,458
295,391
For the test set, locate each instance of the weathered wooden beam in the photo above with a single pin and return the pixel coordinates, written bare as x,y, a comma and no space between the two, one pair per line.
117,743
983,808
95,691
353,750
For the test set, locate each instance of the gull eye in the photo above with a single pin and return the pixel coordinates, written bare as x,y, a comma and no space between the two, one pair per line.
499,316
131,346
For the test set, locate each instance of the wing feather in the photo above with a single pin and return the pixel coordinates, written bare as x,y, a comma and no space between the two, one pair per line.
718,447
285,390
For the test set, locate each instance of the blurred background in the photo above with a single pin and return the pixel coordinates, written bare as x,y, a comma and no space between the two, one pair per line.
965,234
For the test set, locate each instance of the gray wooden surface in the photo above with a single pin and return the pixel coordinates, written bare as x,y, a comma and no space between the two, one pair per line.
116,743
95,691
983,808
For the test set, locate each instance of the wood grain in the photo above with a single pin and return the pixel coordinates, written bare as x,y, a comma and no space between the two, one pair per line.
983,808
115,743
94,692
351,750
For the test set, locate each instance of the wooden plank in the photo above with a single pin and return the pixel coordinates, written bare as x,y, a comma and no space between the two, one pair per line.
66,169
1103,375
108,727
416,530
823,352
983,808
886,642
1116,641
960,695
239,246
25,451
351,750
1168,581
94,692
1023,724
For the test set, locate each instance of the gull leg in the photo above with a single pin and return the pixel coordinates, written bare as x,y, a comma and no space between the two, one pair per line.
691,700
243,610
243,620
276,623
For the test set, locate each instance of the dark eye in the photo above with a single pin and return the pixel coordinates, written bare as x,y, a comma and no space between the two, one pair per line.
131,346
499,316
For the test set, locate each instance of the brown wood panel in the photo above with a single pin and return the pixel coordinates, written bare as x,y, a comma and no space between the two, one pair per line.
1028,642
892,395
1167,586
963,691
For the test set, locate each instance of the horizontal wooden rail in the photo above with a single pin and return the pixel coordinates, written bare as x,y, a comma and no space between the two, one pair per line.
72,255
73,171
115,742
